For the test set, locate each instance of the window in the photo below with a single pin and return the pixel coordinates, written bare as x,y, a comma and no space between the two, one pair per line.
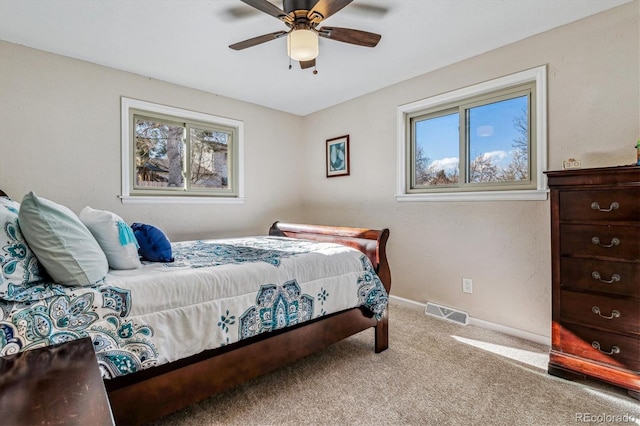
175,155
484,142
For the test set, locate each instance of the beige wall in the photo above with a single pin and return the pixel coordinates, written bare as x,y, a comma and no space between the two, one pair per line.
60,137
593,115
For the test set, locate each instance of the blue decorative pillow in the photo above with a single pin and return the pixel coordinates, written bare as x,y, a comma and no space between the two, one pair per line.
154,244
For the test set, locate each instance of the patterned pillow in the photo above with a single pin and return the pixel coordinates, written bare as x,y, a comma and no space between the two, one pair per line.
115,237
19,264
62,243
154,244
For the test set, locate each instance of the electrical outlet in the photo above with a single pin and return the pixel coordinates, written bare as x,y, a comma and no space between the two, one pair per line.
467,285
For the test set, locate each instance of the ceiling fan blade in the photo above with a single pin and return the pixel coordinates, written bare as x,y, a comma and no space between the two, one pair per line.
240,12
370,10
325,8
348,35
307,64
257,40
268,8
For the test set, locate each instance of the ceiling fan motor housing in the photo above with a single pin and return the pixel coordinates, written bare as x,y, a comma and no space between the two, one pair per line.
292,5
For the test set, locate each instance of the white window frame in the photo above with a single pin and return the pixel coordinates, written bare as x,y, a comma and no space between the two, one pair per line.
537,75
128,104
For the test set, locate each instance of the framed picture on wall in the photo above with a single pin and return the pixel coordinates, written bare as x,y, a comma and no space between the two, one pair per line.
338,156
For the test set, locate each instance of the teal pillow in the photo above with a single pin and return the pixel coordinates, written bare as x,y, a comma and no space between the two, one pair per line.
62,243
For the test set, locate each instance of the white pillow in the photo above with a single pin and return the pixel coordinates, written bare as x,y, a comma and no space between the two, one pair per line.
61,242
114,236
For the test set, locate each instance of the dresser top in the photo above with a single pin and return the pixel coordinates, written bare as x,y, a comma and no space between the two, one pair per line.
595,176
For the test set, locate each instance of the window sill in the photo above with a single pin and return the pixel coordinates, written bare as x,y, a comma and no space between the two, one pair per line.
180,200
522,195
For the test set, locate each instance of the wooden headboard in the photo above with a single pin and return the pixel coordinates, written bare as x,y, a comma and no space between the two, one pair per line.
2,193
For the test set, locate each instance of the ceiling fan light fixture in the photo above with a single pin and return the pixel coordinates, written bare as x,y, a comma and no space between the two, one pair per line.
302,45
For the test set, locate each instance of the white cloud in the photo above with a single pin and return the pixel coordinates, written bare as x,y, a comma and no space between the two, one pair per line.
484,131
496,156
449,163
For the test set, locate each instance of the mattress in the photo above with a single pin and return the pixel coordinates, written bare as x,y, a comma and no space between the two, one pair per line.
215,293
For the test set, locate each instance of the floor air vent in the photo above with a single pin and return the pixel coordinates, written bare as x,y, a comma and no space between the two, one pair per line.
445,313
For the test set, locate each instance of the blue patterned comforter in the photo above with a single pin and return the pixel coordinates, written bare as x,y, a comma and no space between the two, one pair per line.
216,292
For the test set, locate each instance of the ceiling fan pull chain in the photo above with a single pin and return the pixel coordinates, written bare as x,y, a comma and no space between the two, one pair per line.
289,52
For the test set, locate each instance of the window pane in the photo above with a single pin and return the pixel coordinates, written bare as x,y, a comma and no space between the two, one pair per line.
209,159
159,154
437,150
498,141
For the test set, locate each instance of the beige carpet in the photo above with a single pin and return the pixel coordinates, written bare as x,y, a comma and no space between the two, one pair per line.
434,373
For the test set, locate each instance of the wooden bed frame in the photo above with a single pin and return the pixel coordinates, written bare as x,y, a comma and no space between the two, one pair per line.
155,392
149,394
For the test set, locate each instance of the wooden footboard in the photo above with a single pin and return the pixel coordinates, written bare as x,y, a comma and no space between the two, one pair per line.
149,394
372,242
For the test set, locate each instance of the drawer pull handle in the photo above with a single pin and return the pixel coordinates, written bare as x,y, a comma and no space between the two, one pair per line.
614,349
614,242
613,206
614,313
596,276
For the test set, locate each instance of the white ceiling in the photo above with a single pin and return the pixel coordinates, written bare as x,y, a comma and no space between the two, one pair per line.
186,41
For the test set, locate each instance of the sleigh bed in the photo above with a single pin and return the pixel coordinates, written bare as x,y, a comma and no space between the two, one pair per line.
293,313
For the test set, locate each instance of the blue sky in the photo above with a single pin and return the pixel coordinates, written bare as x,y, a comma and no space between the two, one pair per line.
491,133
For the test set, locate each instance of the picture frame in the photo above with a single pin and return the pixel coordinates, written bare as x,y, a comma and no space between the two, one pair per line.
338,156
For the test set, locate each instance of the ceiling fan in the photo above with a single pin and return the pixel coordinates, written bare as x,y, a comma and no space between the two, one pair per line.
303,17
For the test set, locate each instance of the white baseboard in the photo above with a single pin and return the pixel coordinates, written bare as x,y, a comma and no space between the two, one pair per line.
533,337
407,302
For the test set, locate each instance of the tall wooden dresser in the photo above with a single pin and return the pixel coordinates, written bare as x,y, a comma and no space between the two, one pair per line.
595,245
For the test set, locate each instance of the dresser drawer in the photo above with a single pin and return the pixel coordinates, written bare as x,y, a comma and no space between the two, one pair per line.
610,348
619,278
609,205
617,315
622,242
